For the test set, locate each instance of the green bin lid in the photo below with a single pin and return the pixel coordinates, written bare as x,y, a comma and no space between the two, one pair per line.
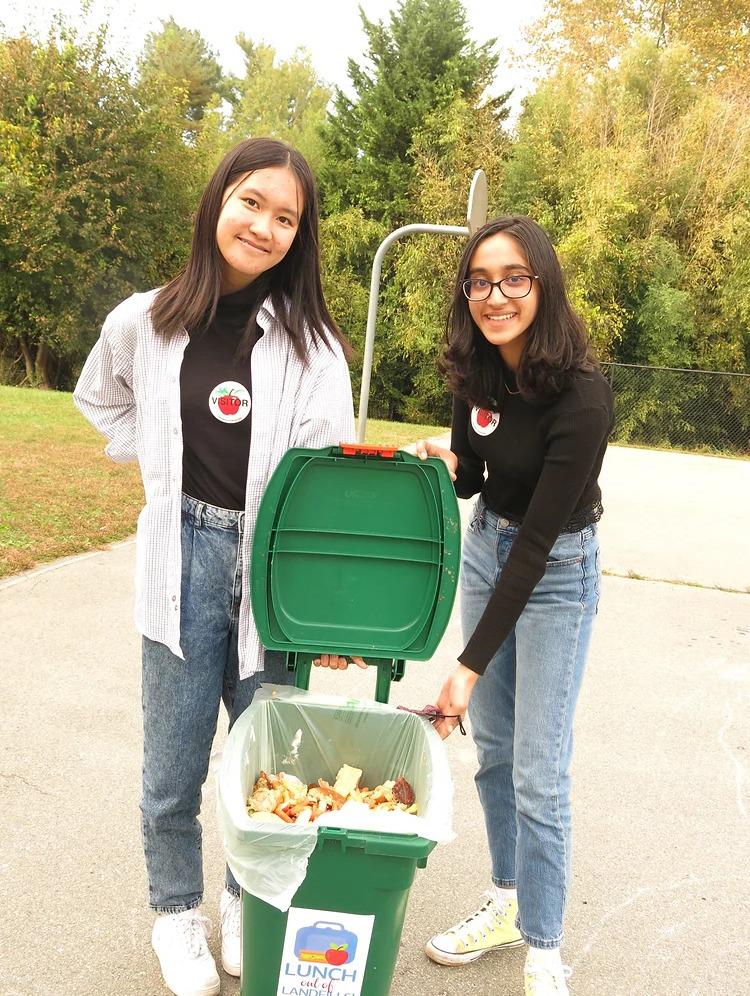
356,551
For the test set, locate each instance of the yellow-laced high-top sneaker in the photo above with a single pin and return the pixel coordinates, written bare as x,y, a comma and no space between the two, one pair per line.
491,928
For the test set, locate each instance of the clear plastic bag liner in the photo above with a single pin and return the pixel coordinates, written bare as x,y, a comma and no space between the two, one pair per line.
311,735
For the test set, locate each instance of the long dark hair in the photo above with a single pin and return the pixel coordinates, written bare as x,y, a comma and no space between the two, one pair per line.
556,343
189,300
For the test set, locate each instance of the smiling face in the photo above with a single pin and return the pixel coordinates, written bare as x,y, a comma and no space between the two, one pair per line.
259,219
504,322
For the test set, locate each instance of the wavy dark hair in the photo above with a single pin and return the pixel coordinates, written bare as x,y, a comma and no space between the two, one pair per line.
556,343
190,299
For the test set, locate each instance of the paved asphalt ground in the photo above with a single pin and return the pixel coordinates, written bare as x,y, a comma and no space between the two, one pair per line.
660,902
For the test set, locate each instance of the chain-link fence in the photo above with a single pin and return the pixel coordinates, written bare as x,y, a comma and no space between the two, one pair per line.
686,409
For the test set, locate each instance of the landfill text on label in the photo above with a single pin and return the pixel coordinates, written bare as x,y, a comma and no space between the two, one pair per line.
314,989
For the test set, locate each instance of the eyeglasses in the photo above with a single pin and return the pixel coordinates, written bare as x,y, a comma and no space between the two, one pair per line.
515,286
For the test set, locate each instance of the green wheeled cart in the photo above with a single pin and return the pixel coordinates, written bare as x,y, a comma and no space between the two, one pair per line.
356,552
349,872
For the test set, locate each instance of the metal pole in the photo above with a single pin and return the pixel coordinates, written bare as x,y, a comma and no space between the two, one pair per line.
372,311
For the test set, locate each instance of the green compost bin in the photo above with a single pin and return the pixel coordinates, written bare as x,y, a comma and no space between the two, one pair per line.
356,551
349,872
346,889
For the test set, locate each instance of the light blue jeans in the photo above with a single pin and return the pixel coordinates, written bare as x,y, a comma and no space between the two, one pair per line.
181,704
521,714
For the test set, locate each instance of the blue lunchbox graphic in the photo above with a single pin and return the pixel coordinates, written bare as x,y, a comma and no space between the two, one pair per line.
327,943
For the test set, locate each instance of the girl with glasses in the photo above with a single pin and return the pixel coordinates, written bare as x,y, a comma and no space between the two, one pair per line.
207,381
531,418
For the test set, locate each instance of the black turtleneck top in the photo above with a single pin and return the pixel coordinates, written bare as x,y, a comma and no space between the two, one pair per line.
216,405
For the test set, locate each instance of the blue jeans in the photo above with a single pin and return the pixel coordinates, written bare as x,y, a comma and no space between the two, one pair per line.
181,703
521,714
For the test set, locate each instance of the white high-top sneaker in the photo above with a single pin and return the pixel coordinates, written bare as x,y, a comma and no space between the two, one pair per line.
544,974
179,940
229,917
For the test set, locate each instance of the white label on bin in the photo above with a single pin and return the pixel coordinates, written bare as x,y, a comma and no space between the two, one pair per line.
325,953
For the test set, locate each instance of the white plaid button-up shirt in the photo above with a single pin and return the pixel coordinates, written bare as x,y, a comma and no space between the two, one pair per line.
129,389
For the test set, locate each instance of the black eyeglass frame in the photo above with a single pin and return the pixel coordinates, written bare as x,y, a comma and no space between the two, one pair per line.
499,283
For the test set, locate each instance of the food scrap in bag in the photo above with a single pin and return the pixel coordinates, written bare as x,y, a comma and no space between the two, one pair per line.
283,798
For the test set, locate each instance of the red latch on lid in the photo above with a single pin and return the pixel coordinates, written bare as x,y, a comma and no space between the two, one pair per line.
360,449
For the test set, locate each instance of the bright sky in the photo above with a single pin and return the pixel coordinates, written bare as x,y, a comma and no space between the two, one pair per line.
329,29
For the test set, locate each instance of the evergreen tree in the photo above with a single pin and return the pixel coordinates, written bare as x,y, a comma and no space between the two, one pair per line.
419,62
179,59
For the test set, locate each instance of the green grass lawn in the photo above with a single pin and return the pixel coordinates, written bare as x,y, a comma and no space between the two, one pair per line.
59,493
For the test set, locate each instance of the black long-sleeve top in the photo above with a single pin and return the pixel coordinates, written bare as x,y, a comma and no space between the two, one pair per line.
542,464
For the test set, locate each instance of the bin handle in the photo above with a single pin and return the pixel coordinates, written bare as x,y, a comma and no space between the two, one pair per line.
363,449
329,923
388,670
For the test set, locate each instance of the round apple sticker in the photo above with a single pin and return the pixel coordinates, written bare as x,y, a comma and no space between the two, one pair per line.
337,954
483,421
229,401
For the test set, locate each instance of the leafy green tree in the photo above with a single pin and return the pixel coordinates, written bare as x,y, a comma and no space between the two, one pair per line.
454,141
282,99
591,34
416,64
177,62
348,243
640,172
96,192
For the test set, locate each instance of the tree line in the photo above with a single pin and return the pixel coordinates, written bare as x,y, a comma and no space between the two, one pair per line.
633,151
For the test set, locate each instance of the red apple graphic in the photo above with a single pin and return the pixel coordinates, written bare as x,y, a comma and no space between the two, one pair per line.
484,417
337,955
229,404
